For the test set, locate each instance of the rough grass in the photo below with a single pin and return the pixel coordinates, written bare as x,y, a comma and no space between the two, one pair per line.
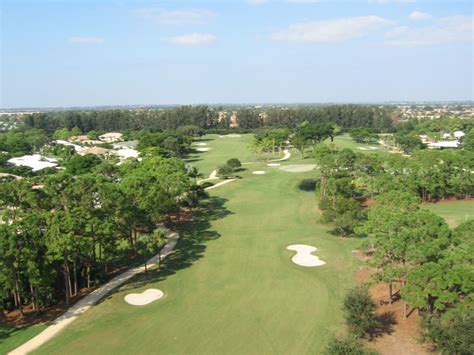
345,141
231,287
11,337
454,212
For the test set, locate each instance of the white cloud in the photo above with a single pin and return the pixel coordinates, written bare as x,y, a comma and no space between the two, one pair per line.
331,30
257,2
86,40
419,16
444,30
175,17
192,39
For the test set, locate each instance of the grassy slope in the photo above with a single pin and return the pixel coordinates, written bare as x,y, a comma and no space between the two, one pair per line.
454,212
11,337
231,287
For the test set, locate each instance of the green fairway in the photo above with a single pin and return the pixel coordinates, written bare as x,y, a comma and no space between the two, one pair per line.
345,141
231,287
11,337
454,212
220,150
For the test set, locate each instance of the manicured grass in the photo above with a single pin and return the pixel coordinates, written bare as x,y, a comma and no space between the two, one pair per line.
345,141
11,337
454,212
231,287
221,149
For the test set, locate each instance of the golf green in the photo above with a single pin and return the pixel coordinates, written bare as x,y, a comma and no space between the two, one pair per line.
231,287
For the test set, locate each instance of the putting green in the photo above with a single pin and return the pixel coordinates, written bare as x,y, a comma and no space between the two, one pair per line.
231,286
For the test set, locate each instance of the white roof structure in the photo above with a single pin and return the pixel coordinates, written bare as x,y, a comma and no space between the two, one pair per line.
36,161
111,137
446,135
77,148
127,153
444,144
458,134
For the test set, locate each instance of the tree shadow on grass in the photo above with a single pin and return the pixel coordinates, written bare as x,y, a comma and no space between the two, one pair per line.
194,235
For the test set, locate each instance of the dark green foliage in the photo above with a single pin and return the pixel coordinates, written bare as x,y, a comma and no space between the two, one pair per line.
225,171
468,140
363,135
451,333
409,142
234,163
79,164
348,345
359,312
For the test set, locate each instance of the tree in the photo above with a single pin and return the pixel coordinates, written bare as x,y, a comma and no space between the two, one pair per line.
225,171
359,312
451,332
234,163
308,134
149,245
468,140
362,135
347,345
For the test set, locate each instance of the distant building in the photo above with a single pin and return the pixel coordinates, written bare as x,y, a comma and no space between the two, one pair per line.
111,137
444,144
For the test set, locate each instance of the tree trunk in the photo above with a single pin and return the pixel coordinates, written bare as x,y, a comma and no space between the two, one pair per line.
33,303
67,283
75,277
390,293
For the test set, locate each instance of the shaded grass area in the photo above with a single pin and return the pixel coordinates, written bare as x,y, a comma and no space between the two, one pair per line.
454,212
231,287
11,337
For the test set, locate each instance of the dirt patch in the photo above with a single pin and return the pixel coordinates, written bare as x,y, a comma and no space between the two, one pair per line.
404,334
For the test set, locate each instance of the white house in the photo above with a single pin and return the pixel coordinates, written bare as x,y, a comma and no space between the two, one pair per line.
444,144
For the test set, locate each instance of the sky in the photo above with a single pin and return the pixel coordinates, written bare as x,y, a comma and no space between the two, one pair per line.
98,52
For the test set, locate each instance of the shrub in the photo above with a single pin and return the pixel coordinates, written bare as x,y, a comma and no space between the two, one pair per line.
359,312
347,345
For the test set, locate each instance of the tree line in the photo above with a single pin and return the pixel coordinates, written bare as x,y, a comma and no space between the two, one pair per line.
409,246
347,116
69,229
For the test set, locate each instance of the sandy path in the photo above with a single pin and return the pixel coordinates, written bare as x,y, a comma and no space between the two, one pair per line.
87,302
219,184
285,157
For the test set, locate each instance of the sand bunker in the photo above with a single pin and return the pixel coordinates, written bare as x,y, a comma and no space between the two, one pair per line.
144,298
303,256
201,144
367,148
258,172
298,168
202,149
231,136
273,164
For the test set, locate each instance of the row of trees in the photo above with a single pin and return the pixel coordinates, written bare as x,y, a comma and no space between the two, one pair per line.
204,117
409,246
71,230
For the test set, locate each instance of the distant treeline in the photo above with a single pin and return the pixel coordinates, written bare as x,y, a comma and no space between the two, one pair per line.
346,116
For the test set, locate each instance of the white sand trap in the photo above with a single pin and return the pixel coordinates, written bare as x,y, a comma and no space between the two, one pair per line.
303,256
273,164
144,298
202,149
258,172
298,168
232,135
201,144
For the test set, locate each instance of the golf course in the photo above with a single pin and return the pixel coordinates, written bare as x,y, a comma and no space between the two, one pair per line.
230,286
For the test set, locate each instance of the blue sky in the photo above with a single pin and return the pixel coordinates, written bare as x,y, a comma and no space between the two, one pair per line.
84,53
